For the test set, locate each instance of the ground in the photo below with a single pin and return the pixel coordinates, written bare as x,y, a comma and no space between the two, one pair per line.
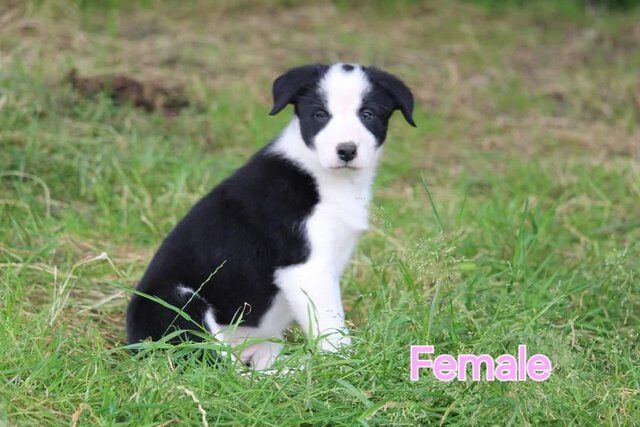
509,216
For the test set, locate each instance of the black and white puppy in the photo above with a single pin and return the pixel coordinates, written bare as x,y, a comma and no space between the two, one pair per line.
281,229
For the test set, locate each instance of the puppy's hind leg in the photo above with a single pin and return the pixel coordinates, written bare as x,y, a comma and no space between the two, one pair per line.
147,318
194,302
262,355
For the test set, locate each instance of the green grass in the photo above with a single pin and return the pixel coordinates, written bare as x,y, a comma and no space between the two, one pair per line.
509,216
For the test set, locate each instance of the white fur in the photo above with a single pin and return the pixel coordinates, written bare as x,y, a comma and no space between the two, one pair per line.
310,292
313,287
209,319
260,355
272,324
184,290
344,91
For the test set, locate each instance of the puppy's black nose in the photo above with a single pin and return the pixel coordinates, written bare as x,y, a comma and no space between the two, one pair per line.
347,151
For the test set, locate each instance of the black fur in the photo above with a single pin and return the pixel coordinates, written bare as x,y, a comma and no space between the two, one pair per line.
299,86
295,82
249,224
311,109
394,87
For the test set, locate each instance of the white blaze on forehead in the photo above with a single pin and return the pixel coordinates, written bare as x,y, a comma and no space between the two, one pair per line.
344,89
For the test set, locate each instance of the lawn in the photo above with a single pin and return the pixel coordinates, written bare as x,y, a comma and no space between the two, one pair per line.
510,215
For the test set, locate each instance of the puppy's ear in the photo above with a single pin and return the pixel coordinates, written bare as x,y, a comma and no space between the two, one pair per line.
396,88
292,83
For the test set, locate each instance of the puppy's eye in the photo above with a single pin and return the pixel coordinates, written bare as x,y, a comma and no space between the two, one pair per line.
321,115
367,115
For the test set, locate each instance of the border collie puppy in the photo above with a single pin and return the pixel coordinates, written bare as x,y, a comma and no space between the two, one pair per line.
268,245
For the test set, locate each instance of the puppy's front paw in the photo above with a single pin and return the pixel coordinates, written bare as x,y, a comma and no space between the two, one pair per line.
332,343
265,355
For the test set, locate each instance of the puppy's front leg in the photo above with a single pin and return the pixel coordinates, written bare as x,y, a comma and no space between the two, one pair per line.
315,299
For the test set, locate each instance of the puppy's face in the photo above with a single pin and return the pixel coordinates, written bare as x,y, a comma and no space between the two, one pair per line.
343,111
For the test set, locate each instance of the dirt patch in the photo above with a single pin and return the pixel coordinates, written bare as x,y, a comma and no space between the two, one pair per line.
152,95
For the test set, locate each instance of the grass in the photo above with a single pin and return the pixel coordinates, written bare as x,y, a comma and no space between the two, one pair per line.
510,215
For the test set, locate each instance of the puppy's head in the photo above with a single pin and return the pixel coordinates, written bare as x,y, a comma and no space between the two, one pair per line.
343,110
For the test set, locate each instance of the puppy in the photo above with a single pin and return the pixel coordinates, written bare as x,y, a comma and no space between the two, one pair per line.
268,245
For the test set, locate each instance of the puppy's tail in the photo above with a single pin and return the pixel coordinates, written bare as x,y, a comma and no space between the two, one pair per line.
156,315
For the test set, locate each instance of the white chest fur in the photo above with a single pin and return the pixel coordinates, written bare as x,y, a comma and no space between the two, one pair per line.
312,288
341,215
337,222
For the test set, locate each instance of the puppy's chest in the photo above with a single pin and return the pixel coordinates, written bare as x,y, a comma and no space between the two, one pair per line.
334,226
